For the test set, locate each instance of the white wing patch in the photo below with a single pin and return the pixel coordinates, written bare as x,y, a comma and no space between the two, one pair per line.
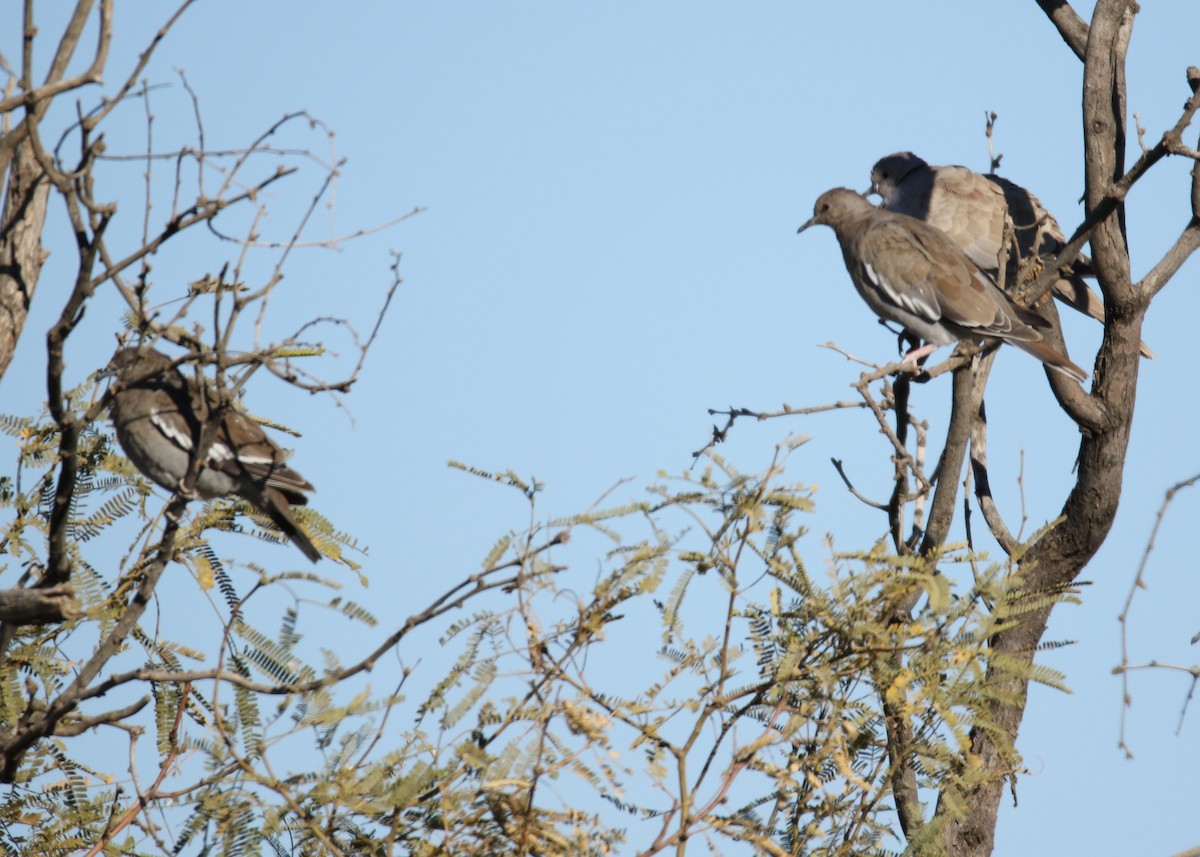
218,453
909,300
171,430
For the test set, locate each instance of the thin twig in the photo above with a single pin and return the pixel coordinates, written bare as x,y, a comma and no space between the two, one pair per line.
1139,582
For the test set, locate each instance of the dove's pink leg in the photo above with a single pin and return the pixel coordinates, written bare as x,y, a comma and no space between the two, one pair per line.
910,359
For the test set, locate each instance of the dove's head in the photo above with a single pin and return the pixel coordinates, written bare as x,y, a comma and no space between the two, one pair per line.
137,361
888,172
836,207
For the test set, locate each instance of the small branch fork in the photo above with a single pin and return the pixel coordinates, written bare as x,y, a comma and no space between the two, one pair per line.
1188,241
894,399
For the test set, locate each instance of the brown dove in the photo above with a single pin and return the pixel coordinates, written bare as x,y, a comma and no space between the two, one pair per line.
159,414
911,273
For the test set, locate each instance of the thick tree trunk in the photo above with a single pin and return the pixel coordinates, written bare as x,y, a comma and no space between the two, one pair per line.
1059,556
21,251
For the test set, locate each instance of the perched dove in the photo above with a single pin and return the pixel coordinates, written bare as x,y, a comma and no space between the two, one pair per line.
973,210
911,273
159,414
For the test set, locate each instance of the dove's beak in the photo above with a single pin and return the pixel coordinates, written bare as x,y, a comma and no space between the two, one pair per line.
807,224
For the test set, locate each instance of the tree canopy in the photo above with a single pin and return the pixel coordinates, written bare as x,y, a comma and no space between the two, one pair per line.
791,694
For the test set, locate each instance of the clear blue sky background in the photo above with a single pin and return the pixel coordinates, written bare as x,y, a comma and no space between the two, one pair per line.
609,249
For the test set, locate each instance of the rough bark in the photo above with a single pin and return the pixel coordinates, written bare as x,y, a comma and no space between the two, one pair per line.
21,250
38,606
1071,27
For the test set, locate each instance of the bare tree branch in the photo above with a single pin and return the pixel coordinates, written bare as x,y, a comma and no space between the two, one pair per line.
38,606
969,383
1071,27
983,486
71,726
1139,583
55,84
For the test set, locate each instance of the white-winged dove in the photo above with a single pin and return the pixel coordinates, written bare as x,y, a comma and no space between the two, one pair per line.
159,414
911,273
973,210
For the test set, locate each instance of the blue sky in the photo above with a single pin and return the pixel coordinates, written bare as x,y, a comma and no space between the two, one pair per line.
608,249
